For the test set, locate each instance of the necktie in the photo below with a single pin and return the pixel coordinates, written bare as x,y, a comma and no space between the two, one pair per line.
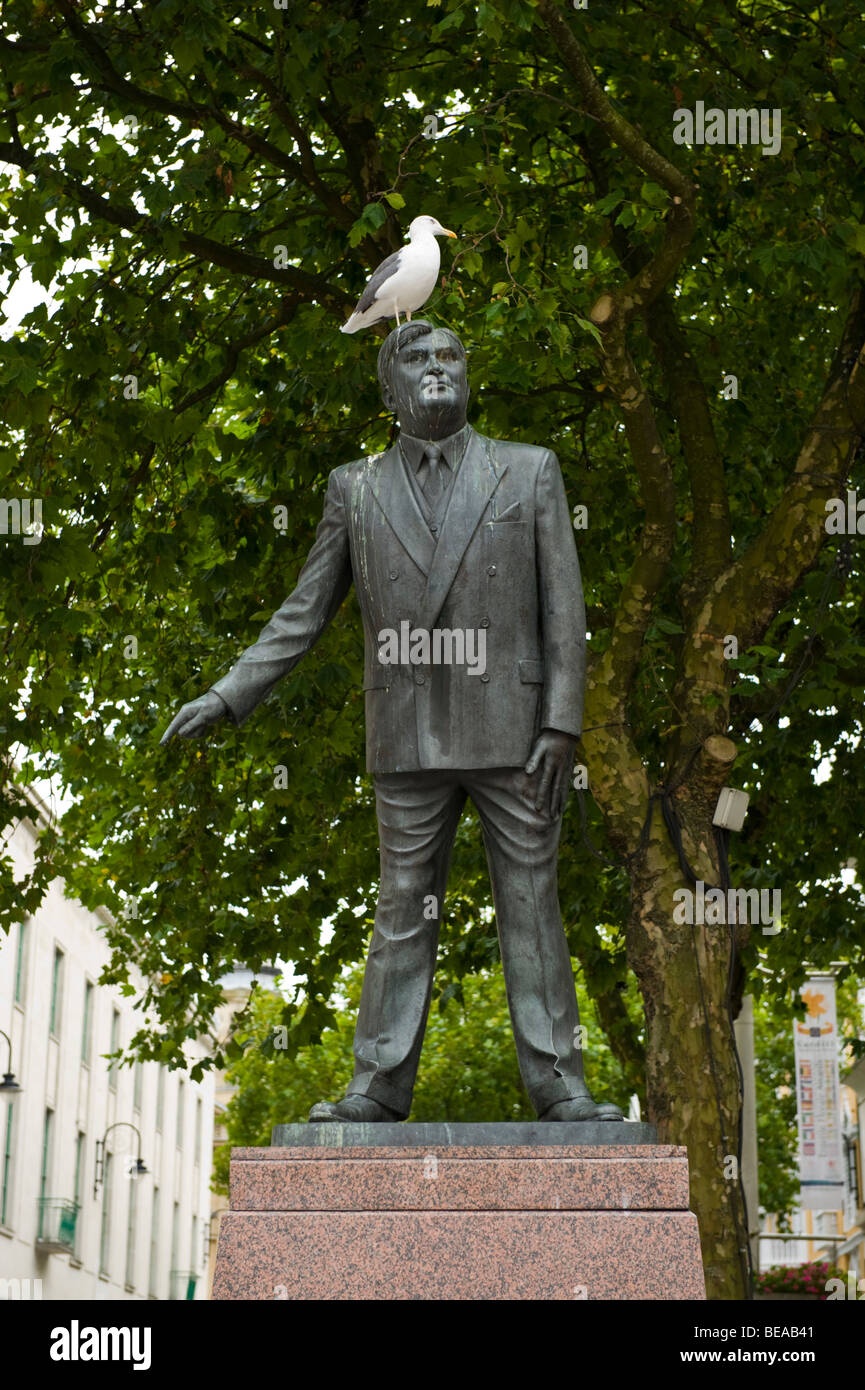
430,473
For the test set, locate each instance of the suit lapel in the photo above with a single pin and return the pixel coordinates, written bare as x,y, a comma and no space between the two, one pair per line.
472,489
393,493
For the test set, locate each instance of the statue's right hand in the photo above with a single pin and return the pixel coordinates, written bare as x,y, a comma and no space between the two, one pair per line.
195,717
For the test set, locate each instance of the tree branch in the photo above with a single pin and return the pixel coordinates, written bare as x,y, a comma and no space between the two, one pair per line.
285,314
598,104
710,529
303,282
746,596
341,212
192,112
202,116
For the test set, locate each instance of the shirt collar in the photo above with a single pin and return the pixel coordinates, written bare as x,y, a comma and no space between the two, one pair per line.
453,447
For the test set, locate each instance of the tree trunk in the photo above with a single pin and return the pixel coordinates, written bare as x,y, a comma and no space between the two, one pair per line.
684,971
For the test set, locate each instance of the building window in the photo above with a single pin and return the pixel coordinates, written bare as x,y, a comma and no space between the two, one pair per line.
181,1103
193,1249
21,962
153,1288
136,1086
198,1108
853,1184
826,1223
113,1066
160,1097
47,1135
45,1172
175,1243
87,1022
130,1232
80,1160
105,1231
6,1193
56,993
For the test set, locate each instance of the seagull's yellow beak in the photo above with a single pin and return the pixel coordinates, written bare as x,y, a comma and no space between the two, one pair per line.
447,233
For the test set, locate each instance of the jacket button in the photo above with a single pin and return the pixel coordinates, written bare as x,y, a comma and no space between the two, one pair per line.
484,678
394,574
491,569
433,529
485,622
419,679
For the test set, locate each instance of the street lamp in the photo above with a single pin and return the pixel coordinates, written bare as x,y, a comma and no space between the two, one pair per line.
9,1085
140,1166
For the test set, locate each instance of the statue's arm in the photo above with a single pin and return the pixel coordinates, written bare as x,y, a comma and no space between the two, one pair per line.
563,634
296,626
562,607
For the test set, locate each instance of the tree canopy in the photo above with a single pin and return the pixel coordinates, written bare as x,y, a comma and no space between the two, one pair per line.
201,188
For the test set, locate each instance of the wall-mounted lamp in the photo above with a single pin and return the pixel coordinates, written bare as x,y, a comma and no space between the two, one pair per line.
139,1168
9,1086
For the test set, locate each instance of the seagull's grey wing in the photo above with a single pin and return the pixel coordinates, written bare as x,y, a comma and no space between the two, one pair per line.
387,268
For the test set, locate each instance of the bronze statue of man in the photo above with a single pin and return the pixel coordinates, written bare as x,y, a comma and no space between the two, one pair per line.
455,544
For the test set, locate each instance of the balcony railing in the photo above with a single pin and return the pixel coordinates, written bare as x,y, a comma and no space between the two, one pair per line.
183,1284
57,1219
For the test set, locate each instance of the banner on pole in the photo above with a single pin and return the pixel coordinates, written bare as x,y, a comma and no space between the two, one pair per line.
818,1098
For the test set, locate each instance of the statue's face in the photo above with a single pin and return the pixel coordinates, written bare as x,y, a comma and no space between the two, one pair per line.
428,386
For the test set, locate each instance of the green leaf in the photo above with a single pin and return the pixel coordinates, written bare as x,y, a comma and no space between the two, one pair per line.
588,327
654,195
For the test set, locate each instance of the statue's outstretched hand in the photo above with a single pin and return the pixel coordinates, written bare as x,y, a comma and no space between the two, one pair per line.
194,718
553,757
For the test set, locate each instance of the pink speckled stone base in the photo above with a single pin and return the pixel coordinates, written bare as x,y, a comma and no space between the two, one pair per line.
447,1179
459,1223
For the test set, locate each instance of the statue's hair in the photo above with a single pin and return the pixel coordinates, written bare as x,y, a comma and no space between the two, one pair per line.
399,337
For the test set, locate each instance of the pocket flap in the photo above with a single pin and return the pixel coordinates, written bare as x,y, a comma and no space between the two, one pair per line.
511,513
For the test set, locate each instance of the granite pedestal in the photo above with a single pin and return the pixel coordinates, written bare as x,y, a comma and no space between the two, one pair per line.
473,1211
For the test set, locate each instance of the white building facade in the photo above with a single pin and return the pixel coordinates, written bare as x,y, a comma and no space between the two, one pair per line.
73,1124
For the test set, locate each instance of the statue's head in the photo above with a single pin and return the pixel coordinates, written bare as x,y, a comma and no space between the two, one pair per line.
422,375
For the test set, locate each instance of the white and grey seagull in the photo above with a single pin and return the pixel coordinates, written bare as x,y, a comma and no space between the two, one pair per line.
405,281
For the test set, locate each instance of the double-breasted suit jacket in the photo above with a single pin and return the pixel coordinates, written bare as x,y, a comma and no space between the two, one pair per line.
503,561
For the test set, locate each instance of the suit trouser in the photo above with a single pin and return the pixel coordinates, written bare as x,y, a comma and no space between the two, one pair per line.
418,813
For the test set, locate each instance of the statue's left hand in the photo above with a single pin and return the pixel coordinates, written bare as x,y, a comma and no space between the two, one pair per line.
553,755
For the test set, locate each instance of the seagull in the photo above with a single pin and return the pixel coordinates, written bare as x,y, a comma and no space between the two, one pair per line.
404,281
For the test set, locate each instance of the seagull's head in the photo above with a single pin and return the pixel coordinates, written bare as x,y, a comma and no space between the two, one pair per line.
426,226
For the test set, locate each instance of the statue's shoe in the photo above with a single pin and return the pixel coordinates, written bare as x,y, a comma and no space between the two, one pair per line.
608,1111
358,1109
581,1108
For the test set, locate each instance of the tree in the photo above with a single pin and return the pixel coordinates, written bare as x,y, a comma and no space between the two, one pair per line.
204,188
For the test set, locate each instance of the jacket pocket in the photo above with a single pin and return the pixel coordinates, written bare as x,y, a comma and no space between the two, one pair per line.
511,513
378,681
532,672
